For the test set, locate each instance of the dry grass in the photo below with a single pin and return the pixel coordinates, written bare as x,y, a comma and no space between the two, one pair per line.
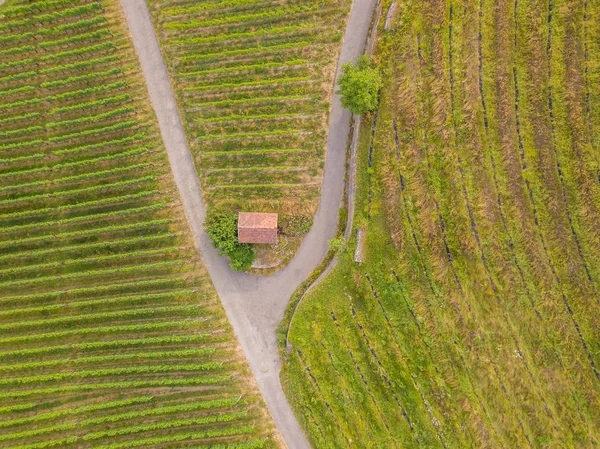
476,305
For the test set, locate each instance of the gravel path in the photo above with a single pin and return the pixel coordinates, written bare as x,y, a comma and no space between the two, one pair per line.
254,305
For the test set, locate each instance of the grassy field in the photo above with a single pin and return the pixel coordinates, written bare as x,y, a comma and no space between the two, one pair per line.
111,334
473,321
253,80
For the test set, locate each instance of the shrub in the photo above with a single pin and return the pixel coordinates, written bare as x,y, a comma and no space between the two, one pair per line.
338,245
359,86
222,230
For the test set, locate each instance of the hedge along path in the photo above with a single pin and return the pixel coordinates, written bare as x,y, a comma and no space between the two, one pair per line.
253,81
110,331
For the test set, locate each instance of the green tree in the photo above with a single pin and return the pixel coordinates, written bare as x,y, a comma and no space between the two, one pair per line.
359,85
221,227
339,245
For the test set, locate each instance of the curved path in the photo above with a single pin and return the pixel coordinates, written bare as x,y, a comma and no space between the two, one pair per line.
254,305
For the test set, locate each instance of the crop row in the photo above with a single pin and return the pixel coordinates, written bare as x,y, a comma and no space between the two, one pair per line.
87,232
164,424
94,290
91,119
109,157
80,177
247,84
77,411
61,97
86,64
90,273
88,246
272,13
168,296
12,64
79,25
20,145
191,381
268,31
14,118
91,49
102,316
104,32
20,132
244,51
80,205
88,217
120,126
224,432
257,66
14,50
39,7
44,18
158,326
158,440
83,190
101,144
18,76
87,77
16,90
120,98
88,260
78,93
194,8
28,157
16,408
107,344
175,353
181,408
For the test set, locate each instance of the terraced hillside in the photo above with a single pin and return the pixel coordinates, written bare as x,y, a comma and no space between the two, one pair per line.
111,335
254,79
473,320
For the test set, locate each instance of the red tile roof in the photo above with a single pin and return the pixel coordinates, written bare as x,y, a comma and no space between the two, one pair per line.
257,227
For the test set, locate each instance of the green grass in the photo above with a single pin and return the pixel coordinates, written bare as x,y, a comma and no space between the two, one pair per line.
472,321
111,334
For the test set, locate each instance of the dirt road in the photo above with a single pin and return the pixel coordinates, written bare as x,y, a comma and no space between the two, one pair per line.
254,305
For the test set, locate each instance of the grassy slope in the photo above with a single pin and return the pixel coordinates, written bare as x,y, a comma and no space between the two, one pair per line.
111,334
472,322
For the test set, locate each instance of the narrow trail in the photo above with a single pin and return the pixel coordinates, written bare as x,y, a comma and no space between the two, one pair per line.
254,305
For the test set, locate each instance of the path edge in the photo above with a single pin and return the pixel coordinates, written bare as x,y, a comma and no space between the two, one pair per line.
350,183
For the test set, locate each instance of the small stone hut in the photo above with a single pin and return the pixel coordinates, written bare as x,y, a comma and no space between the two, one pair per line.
257,227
